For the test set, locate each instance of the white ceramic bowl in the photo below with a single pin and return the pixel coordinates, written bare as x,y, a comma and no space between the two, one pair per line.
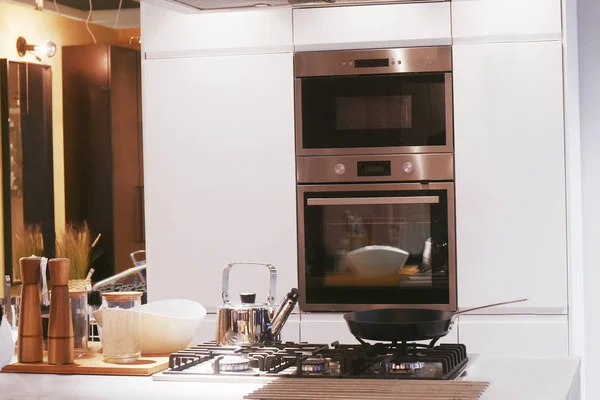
375,261
167,325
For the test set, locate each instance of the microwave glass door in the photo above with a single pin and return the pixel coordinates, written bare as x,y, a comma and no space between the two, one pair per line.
376,111
411,263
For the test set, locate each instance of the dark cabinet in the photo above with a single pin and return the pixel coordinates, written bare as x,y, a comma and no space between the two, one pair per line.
103,149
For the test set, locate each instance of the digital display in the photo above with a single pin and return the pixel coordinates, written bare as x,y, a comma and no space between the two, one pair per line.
374,168
375,62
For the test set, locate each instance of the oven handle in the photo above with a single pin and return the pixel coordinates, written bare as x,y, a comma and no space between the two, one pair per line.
351,201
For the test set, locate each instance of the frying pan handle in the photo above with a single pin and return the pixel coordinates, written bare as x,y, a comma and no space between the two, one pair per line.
489,306
451,322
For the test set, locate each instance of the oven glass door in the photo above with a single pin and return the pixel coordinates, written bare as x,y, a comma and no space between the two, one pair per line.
375,113
377,245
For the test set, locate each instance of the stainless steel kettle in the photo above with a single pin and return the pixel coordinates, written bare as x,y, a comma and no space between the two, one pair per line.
251,323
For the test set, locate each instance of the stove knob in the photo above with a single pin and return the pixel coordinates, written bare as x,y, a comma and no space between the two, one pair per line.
408,167
339,169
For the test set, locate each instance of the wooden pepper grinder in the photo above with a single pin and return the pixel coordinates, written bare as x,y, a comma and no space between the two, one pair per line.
30,344
61,345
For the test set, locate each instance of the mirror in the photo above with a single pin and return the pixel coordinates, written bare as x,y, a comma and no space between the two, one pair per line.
27,167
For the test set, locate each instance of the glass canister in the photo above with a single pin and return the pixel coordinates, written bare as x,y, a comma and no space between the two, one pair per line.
121,326
79,314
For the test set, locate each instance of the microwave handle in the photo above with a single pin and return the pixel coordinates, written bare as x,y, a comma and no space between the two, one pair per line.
352,201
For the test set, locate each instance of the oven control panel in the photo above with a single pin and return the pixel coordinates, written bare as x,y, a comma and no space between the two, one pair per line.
376,168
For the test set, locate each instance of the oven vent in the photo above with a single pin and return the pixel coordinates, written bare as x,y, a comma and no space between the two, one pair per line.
208,5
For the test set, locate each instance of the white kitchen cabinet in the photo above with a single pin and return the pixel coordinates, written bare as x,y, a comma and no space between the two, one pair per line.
329,327
515,336
375,26
485,21
510,175
219,175
171,34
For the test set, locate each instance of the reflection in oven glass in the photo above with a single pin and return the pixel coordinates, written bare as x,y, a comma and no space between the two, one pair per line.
377,231
373,112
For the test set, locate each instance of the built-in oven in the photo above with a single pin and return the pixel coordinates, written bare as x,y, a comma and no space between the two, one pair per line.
376,231
386,101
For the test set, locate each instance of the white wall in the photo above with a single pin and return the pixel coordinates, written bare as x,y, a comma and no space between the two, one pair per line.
589,87
573,185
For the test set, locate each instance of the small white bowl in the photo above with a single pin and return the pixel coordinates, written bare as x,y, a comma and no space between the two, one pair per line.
167,325
377,261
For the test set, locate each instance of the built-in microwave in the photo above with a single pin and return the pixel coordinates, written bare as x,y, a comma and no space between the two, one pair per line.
386,101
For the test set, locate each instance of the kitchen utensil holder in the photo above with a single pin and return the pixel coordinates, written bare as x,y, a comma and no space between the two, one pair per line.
121,327
80,317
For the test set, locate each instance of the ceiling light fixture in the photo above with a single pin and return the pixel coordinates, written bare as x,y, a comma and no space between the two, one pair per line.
47,49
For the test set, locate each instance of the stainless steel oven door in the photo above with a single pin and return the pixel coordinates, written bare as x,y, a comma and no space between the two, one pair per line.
390,101
378,245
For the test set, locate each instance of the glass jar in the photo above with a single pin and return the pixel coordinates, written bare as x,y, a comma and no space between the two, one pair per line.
121,326
79,315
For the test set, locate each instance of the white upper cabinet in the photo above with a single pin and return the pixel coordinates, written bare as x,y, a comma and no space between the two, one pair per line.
219,175
510,175
485,21
170,34
359,27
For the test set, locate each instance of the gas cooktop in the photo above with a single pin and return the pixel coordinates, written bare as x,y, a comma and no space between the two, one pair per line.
306,360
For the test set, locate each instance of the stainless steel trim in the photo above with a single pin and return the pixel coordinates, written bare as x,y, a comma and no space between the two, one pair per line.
209,5
447,148
303,189
372,201
425,167
449,113
353,151
298,115
343,62
116,278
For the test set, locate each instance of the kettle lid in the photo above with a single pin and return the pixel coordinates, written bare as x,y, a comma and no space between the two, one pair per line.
248,298
248,301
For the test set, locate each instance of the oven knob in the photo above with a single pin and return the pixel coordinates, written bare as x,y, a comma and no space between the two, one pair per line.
339,169
408,167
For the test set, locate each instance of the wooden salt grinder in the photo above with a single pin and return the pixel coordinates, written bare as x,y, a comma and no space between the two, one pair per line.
61,345
30,344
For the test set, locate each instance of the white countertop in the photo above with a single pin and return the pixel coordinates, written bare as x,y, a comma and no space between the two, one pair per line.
510,378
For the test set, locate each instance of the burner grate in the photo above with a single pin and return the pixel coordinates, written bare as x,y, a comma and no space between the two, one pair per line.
374,361
452,358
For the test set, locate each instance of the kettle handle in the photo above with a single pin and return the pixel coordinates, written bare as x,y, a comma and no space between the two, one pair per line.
272,281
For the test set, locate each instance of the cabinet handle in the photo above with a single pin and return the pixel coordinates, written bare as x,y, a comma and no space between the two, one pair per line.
373,201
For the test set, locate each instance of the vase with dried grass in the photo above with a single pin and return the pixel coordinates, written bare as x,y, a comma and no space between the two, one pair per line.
28,241
76,243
